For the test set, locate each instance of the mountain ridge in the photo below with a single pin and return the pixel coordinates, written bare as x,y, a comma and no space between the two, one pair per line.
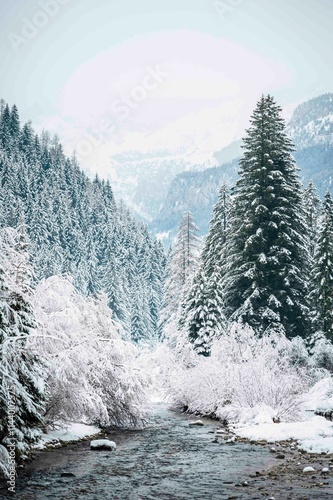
311,130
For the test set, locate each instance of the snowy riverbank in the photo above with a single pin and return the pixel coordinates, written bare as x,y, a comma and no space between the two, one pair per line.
312,434
65,435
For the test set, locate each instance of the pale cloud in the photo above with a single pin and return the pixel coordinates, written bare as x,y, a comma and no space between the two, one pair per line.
202,101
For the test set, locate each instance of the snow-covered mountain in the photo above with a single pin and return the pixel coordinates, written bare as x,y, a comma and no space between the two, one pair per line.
143,180
312,122
194,191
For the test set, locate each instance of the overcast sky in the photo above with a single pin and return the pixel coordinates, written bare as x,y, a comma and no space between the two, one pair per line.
111,76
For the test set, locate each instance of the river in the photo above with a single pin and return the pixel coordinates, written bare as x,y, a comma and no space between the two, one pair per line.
167,460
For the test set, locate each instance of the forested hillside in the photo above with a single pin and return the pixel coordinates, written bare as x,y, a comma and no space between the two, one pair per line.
77,228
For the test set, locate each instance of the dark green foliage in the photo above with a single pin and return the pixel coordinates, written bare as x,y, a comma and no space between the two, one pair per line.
312,210
266,283
321,295
203,312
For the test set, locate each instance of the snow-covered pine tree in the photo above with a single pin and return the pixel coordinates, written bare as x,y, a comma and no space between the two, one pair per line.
186,249
23,366
23,268
181,267
266,282
312,212
141,321
321,295
203,317
5,130
213,254
4,333
22,374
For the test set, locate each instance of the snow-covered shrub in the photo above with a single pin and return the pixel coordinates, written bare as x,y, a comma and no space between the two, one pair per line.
322,352
298,352
243,374
320,397
92,373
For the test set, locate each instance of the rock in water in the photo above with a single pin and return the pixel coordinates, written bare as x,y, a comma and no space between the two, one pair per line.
309,469
102,444
197,422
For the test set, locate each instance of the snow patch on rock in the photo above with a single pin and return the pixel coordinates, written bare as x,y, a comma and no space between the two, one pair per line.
103,444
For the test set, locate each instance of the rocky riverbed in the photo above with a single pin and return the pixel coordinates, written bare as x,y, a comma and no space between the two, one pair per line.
171,459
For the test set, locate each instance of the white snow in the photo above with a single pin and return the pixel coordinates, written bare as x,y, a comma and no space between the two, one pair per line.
105,444
322,444
320,396
74,432
314,434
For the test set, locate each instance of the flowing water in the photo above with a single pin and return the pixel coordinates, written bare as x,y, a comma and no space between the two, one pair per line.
167,460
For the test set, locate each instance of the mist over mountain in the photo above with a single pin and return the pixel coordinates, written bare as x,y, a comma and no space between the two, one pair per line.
310,128
143,180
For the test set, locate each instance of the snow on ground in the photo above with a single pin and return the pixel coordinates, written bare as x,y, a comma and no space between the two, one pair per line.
319,445
311,429
314,434
73,432
320,396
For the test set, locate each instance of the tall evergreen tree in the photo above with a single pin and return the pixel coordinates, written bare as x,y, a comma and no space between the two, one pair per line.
22,377
266,282
213,254
203,316
4,333
321,295
181,267
312,212
5,130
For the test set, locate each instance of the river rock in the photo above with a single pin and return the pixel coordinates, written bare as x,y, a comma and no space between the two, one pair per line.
102,444
197,422
308,469
231,440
